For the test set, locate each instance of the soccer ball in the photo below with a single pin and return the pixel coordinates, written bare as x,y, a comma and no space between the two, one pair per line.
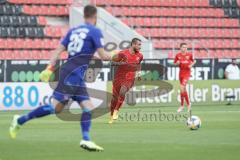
194,123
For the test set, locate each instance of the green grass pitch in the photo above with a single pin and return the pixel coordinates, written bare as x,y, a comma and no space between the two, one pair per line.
52,139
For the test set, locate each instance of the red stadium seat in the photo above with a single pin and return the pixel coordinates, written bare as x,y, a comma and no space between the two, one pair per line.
46,10
58,31
236,33
125,11
62,2
187,22
109,9
219,22
156,21
236,43
147,22
218,43
10,43
236,53
42,20
172,32
155,43
27,9
127,21
7,54
227,53
45,54
38,43
227,33
139,21
37,10
140,31
163,22
233,22
19,43
28,43
3,43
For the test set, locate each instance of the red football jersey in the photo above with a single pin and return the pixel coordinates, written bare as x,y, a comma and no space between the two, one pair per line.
185,60
129,64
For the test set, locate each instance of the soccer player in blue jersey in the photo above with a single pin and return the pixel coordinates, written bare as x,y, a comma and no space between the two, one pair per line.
81,43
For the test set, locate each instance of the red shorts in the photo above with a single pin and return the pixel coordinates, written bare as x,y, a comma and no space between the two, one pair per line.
184,79
118,84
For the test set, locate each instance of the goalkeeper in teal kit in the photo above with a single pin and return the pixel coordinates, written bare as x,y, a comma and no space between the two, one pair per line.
81,43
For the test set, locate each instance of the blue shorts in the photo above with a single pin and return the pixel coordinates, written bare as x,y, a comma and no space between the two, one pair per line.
71,83
64,98
63,93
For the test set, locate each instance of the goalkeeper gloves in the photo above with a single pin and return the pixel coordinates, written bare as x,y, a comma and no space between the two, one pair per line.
46,74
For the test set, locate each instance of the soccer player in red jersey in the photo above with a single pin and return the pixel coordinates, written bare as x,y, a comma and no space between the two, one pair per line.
185,61
128,67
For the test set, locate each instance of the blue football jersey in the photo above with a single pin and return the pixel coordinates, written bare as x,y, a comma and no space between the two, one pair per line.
81,43
83,40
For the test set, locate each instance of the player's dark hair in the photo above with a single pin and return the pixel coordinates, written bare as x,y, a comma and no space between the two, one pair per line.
134,41
182,44
89,11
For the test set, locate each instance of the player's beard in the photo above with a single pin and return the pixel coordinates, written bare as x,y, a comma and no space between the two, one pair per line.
135,50
184,52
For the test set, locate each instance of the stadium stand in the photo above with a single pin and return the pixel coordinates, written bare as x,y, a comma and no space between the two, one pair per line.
211,27
25,31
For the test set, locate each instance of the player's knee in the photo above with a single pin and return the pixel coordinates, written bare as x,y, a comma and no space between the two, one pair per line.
123,92
85,109
114,97
183,88
58,108
86,104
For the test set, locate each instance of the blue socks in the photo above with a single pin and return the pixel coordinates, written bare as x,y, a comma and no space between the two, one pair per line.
86,124
48,109
36,113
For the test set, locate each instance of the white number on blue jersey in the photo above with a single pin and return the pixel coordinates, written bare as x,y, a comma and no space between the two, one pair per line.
76,41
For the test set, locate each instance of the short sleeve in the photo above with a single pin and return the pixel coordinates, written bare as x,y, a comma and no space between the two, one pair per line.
66,39
176,59
122,56
192,58
98,39
228,68
141,58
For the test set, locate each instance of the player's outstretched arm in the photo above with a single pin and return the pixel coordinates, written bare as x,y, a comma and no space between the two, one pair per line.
176,62
56,54
109,56
104,55
46,74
